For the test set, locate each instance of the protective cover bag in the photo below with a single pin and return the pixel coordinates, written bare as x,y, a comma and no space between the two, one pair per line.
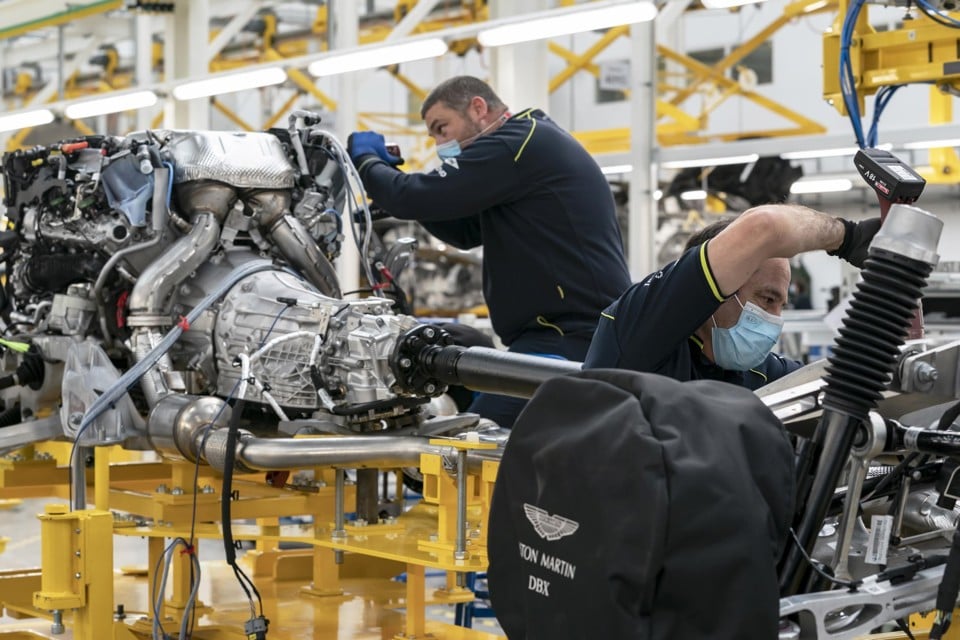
630,505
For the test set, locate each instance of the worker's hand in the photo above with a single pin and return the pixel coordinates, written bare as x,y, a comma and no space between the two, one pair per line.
365,143
857,237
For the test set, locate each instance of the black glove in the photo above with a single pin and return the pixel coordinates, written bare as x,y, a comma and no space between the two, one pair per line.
365,143
376,213
857,237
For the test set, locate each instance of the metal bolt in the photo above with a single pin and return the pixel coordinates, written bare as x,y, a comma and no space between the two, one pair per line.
177,491
162,488
77,575
57,627
925,375
459,555
76,553
475,533
405,363
428,333
207,489
359,522
429,388
433,537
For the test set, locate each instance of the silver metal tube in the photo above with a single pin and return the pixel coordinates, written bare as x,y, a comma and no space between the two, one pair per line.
20,435
297,246
78,478
183,257
354,452
897,529
460,552
851,505
162,176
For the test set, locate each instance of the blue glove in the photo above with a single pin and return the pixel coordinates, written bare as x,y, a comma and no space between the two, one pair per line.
365,143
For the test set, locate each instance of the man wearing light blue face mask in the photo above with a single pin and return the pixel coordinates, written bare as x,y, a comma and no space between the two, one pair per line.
715,312
530,194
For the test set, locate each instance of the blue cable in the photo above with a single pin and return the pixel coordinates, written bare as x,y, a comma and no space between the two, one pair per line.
880,103
169,166
847,81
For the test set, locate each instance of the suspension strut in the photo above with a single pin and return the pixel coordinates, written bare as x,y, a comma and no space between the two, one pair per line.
901,257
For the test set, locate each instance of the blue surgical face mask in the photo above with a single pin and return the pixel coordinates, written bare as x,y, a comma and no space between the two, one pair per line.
746,344
449,149
452,148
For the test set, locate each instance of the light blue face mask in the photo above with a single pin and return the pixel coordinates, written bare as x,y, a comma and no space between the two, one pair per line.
449,149
452,148
746,344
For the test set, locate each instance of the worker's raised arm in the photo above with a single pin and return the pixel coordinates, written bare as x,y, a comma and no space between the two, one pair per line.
782,231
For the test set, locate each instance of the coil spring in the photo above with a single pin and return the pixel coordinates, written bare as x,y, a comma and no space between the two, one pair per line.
873,331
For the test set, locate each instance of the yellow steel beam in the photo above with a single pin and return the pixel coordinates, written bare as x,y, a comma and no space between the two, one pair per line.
71,13
411,86
790,12
803,124
587,56
303,81
275,118
231,115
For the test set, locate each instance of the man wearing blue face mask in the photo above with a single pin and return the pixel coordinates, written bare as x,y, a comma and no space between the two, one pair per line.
524,189
715,312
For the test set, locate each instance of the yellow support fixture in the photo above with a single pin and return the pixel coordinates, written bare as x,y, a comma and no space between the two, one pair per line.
944,163
77,569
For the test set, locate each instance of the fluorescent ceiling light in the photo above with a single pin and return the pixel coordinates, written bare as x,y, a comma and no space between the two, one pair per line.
932,144
616,169
577,20
110,104
373,57
819,153
710,162
228,83
836,152
824,185
26,119
696,194
726,4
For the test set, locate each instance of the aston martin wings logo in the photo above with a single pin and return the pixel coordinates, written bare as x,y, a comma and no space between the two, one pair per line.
549,527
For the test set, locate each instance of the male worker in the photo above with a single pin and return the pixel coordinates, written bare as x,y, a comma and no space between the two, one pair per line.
715,312
523,188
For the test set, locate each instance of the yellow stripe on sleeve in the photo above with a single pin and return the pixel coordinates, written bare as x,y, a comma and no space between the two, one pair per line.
708,274
533,127
759,373
606,315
